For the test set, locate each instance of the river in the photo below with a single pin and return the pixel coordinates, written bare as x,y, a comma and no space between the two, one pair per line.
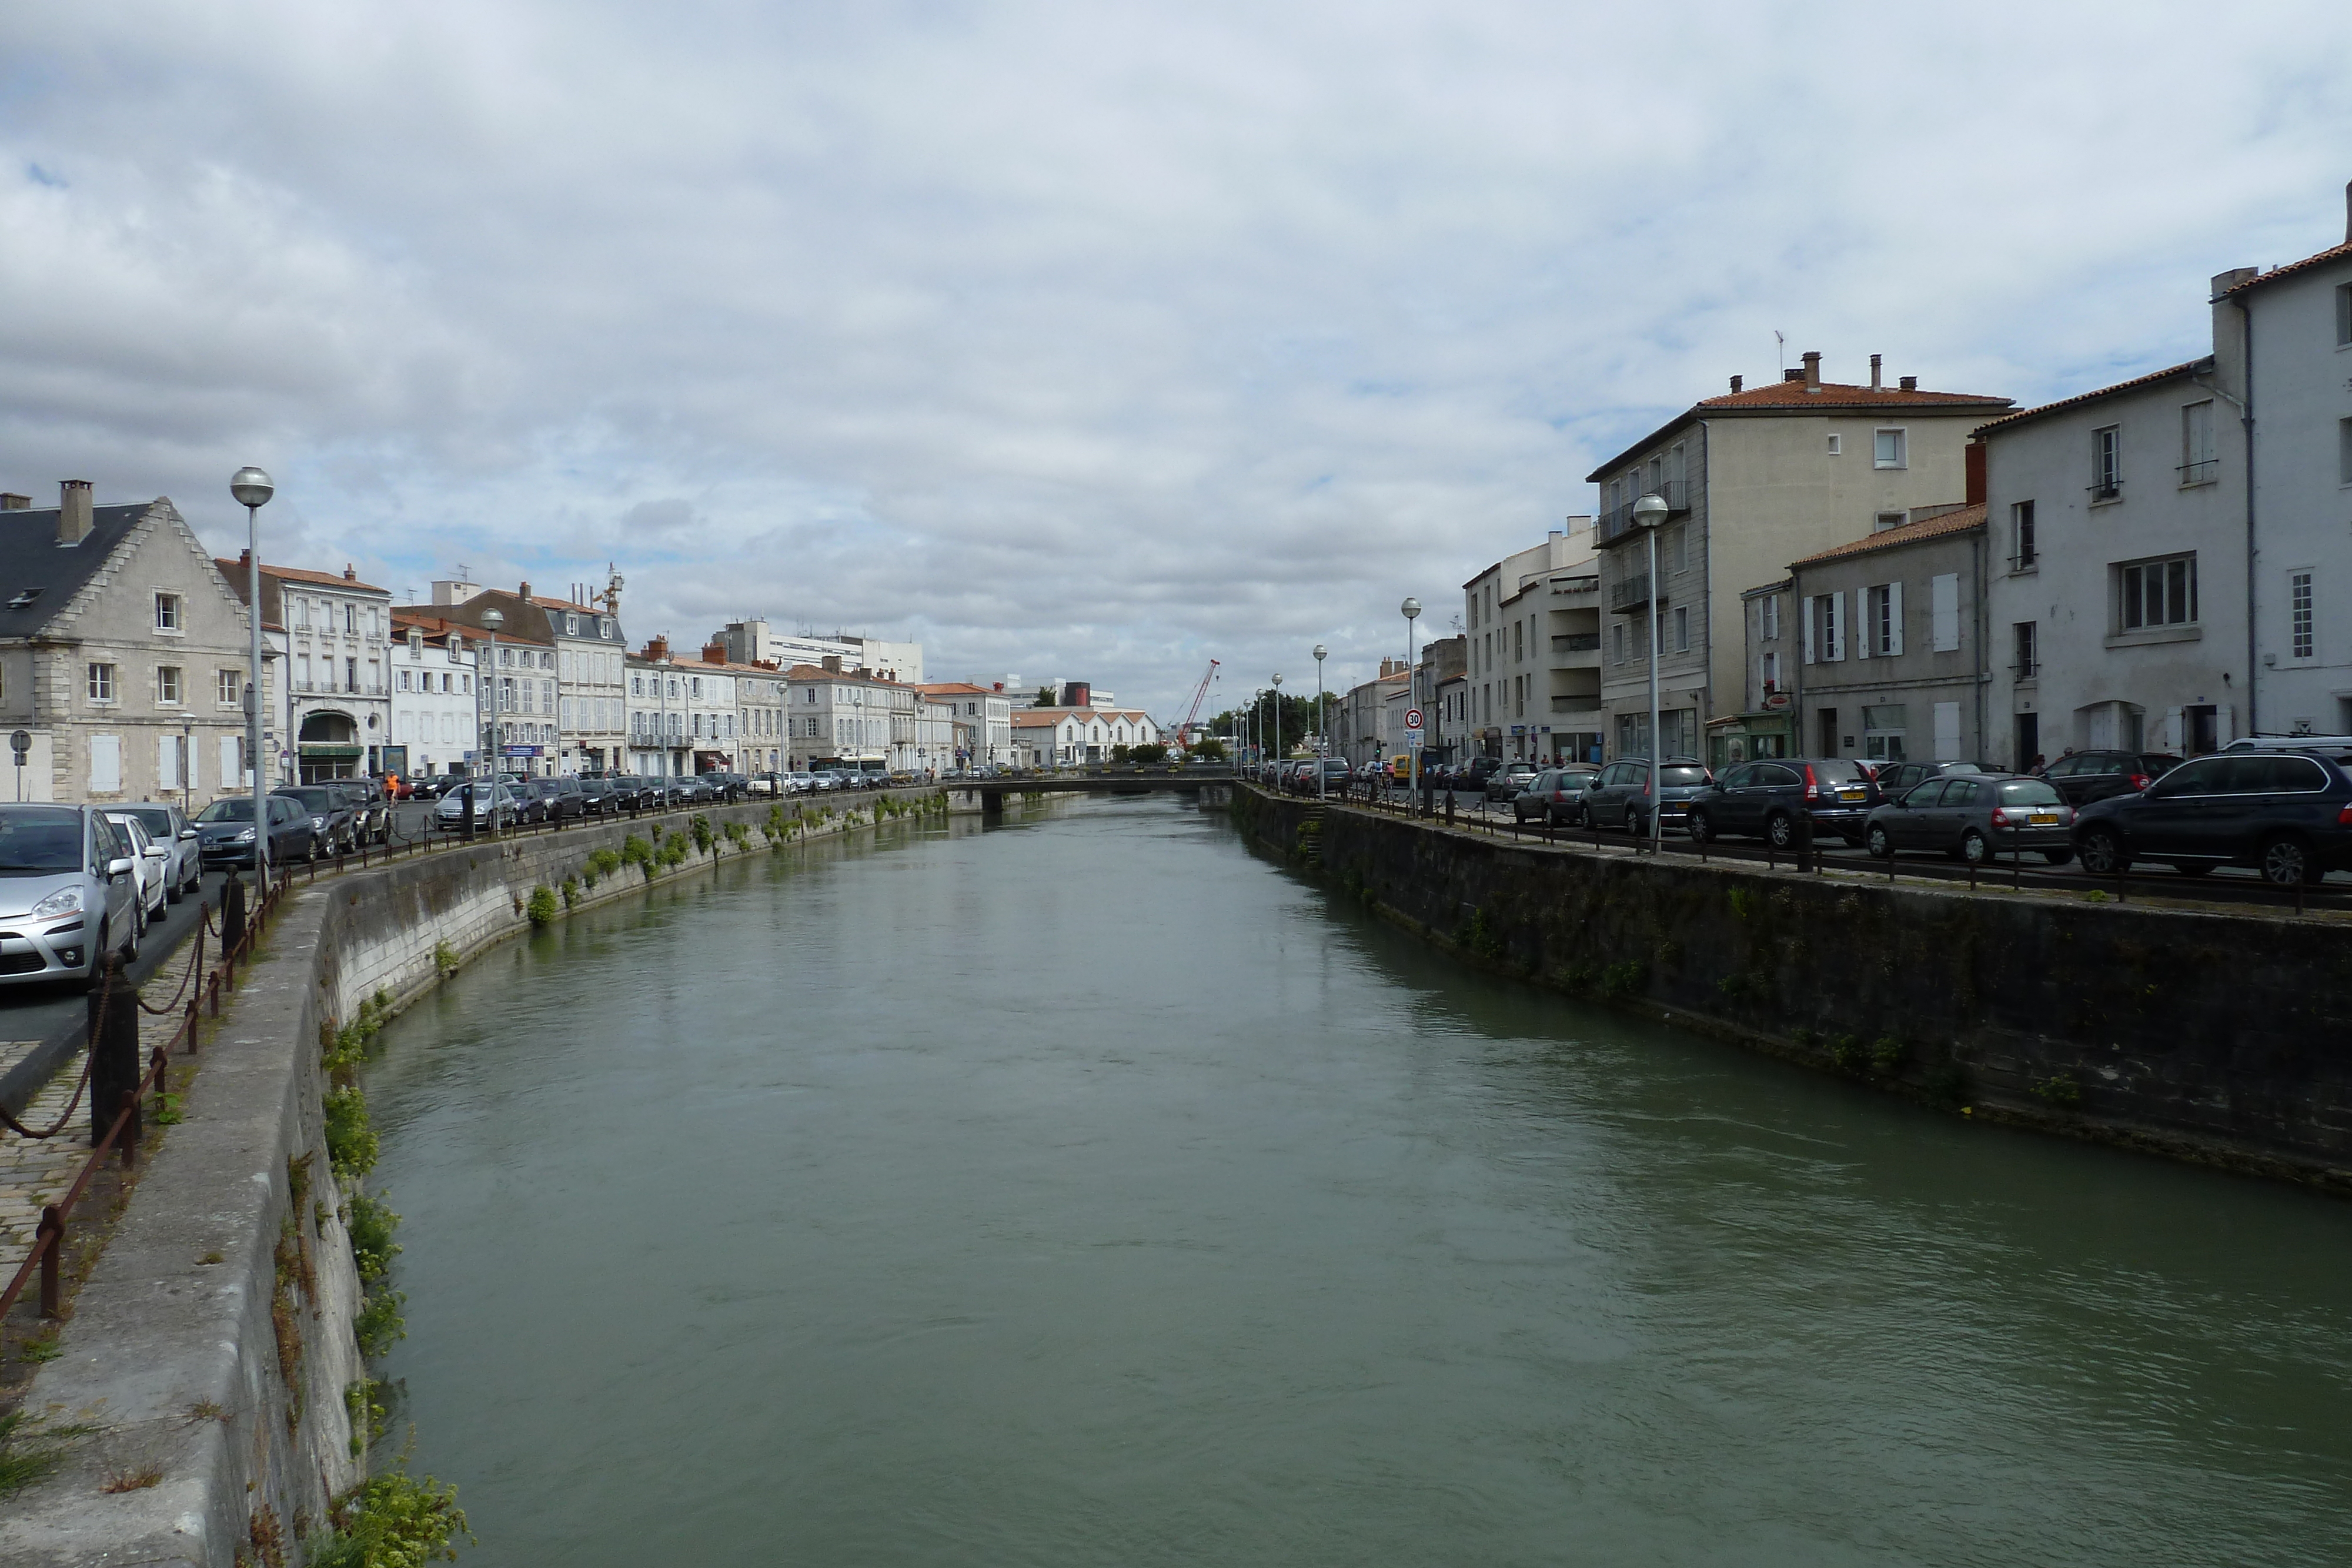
1091,1190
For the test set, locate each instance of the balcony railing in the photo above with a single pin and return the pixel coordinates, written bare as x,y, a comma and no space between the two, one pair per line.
1617,521
1577,642
1577,702
2110,488
1631,593
2200,472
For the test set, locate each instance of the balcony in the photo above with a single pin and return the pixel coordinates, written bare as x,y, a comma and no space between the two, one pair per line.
1577,642
1577,702
1630,594
1618,521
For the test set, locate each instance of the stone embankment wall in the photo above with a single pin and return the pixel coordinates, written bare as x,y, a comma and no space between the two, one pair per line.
212,1345
2216,1038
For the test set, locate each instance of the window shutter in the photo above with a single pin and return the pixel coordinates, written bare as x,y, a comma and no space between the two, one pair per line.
1947,732
1944,601
2172,735
105,764
1810,633
1894,622
227,759
167,762
1864,611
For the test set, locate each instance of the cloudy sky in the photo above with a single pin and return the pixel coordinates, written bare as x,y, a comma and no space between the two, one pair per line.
1089,340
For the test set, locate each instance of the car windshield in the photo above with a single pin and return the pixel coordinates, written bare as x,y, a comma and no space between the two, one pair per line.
1672,773
236,808
2027,792
36,842
156,820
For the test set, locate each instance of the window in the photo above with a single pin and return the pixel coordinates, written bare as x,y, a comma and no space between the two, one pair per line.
1771,616
167,683
2106,464
302,673
1682,628
227,687
571,625
351,620
2298,613
1885,520
2023,551
2156,593
301,615
1837,445
2028,641
1890,449
1617,644
167,613
1883,728
1824,628
1678,549
2344,451
101,683
1882,620
351,675
2198,463
2344,314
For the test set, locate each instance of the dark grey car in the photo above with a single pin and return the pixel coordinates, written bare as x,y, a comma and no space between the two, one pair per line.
1973,817
334,826
1619,797
1773,799
1556,795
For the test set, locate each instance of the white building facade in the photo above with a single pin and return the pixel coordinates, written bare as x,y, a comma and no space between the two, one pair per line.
433,698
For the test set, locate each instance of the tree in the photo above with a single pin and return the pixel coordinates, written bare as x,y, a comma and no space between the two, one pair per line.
1122,753
1150,754
1046,698
1208,748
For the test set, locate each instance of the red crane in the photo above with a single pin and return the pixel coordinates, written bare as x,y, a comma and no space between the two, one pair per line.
1185,730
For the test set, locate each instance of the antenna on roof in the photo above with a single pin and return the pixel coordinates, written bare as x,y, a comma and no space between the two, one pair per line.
1781,340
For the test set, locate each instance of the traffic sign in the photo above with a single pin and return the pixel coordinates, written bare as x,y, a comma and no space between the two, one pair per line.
20,741
1412,718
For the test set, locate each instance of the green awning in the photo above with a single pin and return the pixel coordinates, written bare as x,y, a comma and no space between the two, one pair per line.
331,753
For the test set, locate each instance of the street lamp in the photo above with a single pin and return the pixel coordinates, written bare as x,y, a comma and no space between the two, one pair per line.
1322,728
1412,608
1648,513
252,488
1277,721
492,619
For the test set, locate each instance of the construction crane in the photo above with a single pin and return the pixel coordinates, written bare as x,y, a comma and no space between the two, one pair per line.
1185,730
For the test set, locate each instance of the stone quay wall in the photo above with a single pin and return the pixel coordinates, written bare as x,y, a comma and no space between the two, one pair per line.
2220,1038
214,1342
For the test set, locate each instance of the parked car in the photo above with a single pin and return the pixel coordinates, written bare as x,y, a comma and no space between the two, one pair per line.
600,797
495,806
1973,817
1899,779
370,809
1504,783
150,867
2288,815
1769,799
730,786
334,827
1619,796
2089,776
225,831
166,825
560,801
1556,795
69,893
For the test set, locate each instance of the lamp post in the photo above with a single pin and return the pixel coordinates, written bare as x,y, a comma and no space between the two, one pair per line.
1648,513
1322,728
1277,727
1412,608
253,488
492,619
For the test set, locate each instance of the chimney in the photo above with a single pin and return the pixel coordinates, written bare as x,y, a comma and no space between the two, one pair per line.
525,594
244,558
1735,383
2230,329
1909,384
833,663
1874,384
1973,455
714,652
1812,370
73,511
348,575
12,502
656,649
1792,375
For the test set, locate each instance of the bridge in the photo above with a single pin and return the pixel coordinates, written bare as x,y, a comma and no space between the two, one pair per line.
1110,781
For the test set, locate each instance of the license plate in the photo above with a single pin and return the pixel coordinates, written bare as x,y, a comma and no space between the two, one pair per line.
2042,818
1849,794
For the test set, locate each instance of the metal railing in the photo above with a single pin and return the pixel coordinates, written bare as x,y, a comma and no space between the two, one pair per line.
1631,593
2202,472
1576,642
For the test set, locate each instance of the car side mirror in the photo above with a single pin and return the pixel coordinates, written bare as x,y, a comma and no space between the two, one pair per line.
118,867
187,832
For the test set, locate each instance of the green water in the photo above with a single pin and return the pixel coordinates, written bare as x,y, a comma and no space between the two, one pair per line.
1096,1191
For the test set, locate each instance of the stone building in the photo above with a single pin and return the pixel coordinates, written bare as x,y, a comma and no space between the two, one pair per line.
123,655
434,710
335,632
587,726
1532,651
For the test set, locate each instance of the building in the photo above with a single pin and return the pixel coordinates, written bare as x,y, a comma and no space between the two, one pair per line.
586,729
335,632
1532,653
1361,727
837,718
1753,480
760,706
754,642
1889,633
1061,737
980,718
1444,680
122,656
2297,648
656,713
434,710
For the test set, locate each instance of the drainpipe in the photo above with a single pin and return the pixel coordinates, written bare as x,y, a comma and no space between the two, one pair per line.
1984,628
1804,647
2246,419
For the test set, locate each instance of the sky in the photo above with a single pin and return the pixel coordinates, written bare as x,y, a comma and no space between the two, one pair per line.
1086,341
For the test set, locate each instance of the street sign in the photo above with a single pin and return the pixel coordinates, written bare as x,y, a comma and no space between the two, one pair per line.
1412,739
1412,718
20,741
522,751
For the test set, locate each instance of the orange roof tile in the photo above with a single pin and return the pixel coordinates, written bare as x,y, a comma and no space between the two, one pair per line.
302,574
1782,398
2170,372
2333,252
1961,522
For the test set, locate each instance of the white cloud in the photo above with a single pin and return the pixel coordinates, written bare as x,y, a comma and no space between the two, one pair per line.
1091,340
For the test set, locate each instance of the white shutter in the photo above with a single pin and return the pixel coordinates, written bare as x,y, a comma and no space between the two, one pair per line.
167,762
2223,733
228,759
1867,643
105,764
1895,620
1809,628
1943,596
2172,734
194,779
1947,732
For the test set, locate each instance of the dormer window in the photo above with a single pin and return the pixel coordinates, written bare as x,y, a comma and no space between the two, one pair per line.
24,597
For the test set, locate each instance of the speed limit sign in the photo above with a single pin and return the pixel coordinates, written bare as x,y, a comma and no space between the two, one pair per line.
1412,718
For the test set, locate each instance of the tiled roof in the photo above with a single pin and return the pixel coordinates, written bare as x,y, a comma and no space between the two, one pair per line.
303,574
1791,397
1959,522
2336,252
2170,372
960,688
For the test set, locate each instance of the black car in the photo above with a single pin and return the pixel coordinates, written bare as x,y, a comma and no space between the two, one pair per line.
334,825
730,786
2286,813
561,800
225,831
370,809
2088,775
1619,796
601,796
1769,799
1897,779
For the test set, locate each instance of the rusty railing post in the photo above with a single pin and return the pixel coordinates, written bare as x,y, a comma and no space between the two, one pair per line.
52,1230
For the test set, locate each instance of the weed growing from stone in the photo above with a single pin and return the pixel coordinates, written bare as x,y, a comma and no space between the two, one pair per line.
540,907
137,1478
390,1519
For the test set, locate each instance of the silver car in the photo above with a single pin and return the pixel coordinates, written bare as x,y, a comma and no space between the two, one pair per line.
166,824
150,864
498,807
68,892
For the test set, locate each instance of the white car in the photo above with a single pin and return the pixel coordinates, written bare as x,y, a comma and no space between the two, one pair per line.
166,825
150,867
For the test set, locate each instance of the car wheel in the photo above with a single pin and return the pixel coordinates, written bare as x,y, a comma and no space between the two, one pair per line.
2102,853
131,947
1881,847
139,916
2058,857
2287,861
1780,830
1974,849
1700,829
